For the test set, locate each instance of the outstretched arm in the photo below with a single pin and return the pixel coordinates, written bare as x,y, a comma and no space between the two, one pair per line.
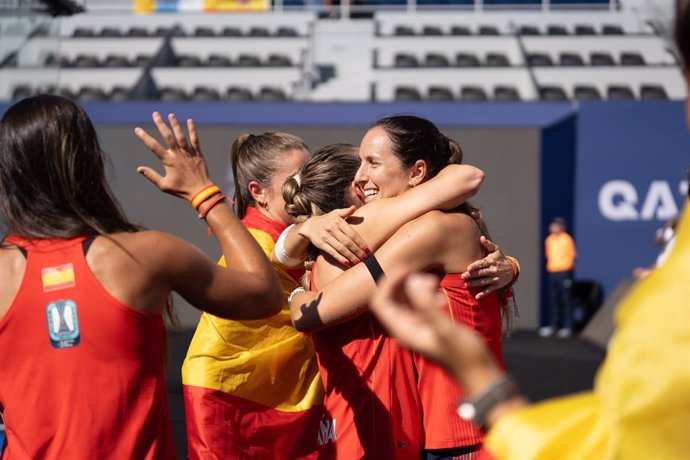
248,288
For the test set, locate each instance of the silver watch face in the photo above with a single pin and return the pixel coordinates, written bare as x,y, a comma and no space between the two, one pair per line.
467,411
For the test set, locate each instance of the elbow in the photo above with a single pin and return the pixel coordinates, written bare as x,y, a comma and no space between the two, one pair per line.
476,181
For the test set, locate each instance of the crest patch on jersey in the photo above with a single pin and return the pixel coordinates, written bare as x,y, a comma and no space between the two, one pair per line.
63,324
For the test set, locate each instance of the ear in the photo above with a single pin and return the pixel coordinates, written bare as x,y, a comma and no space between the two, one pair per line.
417,173
258,192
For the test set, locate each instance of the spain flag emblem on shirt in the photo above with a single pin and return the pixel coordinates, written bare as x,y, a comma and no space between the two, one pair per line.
58,277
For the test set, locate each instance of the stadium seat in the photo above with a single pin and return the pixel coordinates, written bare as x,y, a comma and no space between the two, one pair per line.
83,32
110,32
218,60
488,30
632,59
497,60
279,60
436,60
64,92
506,93
432,30
406,94
552,93
586,93
248,60
137,32
466,60
284,31
528,30
555,29
235,94
601,59
171,94
619,93
204,94
119,94
653,93
585,29
162,31
272,95
91,94
231,32
204,31
83,61
460,30
473,94
258,31
116,60
539,60
612,29
440,94
404,61
22,92
141,60
403,31
187,60
570,60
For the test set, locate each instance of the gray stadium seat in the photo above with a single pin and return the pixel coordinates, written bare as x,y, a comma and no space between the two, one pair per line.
171,94
528,30
436,60
218,60
21,92
110,32
248,60
600,59
556,29
586,93
488,30
65,92
279,60
119,94
466,60
585,29
497,60
460,30
83,32
284,31
407,94
403,31
204,94
91,94
539,60
632,58
231,32
653,93
258,31
473,94
404,60
612,29
570,60
432,30
272,95
141,60
506,93
137,32
116,60
204,31
440,94
235,94
187,60
552,93
619,93
83,61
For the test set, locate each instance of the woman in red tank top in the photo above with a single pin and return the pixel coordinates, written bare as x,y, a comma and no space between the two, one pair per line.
397,156
84,290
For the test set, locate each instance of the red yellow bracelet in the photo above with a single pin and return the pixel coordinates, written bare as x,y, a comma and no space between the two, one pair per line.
211,205
203,195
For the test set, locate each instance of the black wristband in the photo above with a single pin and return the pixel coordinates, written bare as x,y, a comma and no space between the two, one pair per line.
374,267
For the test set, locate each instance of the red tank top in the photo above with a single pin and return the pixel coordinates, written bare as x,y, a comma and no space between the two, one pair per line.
438,391
82,374
372,409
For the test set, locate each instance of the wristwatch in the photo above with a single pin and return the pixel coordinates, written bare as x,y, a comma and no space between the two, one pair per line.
476,410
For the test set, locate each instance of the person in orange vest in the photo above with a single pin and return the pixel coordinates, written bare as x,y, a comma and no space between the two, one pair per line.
560,260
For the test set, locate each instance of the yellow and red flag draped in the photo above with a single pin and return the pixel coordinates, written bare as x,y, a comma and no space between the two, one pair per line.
640,406
252,388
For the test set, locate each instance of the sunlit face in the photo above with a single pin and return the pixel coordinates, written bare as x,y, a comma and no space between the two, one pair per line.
381,174
275,204
555,228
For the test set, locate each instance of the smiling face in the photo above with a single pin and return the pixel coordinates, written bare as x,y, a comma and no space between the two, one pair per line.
381,174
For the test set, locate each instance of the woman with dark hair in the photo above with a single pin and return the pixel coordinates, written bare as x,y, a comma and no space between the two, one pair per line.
639,407
81,302
398,155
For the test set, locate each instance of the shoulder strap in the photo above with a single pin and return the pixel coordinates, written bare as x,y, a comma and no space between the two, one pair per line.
86,244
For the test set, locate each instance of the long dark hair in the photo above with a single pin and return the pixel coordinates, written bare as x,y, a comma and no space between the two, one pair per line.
52,179
257,158
321,185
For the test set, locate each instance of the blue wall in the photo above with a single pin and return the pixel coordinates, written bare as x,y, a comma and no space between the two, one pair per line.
632,163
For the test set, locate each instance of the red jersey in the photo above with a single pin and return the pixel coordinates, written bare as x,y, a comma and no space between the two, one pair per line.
443,428
82,374
372,409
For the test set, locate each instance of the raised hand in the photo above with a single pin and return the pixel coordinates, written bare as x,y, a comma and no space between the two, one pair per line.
492,272
185,168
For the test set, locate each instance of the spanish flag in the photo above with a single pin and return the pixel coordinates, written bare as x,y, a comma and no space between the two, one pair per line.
640,405
252,389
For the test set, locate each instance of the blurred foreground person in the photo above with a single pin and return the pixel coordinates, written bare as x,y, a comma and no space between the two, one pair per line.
640,405
83,290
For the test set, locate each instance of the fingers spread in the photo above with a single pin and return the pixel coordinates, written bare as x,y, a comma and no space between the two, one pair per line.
193,136
150,142
151,175
164,130
178,132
